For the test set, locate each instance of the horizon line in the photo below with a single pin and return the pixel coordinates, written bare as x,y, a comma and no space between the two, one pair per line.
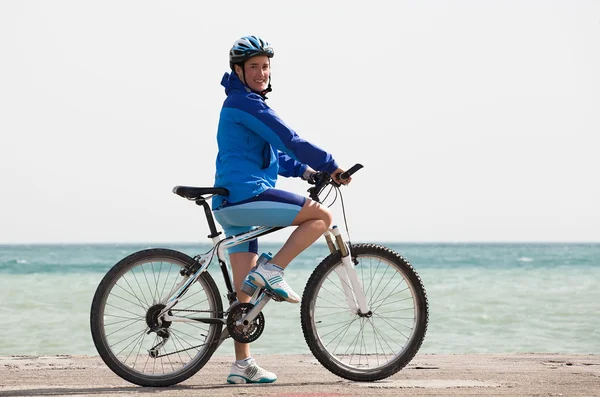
206,243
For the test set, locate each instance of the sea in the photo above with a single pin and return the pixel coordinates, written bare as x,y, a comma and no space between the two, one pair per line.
483,297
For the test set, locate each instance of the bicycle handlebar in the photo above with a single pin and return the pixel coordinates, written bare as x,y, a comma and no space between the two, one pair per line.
322,179
351,171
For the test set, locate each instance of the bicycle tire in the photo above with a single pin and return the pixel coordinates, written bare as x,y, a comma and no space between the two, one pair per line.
117,298
315,314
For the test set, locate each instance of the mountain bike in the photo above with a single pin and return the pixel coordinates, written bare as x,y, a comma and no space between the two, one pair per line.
157,316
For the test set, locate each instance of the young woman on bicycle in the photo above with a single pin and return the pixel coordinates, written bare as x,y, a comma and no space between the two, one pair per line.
255,146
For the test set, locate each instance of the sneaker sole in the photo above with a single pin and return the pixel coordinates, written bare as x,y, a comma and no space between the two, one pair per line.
240,380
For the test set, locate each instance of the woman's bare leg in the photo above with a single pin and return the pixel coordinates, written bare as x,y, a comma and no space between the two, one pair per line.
241,263
312,221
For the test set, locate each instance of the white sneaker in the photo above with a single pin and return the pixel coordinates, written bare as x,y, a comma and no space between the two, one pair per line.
251,373
273,281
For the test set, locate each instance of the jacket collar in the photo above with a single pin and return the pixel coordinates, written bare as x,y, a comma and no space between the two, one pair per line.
232,83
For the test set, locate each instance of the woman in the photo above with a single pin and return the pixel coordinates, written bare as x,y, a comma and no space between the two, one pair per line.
255,146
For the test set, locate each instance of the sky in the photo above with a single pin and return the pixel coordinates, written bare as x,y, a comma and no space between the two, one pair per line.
475,121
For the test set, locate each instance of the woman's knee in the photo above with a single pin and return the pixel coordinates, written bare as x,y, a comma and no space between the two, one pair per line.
314,211
327,217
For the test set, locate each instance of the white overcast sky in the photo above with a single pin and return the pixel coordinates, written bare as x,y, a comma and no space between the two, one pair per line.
474,120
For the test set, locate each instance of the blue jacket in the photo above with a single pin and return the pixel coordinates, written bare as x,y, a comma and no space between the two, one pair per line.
255,146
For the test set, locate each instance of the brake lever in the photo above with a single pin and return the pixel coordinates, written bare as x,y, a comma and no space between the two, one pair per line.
335,178
319,180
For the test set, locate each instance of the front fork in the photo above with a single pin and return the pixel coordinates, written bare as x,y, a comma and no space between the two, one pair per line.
355,297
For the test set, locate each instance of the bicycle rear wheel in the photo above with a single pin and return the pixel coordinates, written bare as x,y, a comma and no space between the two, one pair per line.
365,347
124,314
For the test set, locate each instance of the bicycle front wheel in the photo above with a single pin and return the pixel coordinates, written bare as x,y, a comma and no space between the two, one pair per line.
124,314
373,346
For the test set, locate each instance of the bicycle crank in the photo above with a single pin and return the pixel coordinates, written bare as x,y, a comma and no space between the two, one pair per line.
244,331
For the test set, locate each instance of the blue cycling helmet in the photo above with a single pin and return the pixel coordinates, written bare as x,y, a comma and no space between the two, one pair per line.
247,47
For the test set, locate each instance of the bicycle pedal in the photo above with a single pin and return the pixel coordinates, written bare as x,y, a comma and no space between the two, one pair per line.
273,296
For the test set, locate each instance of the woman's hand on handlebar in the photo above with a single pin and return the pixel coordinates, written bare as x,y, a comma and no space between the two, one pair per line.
313,177
308,175
320,180
336,176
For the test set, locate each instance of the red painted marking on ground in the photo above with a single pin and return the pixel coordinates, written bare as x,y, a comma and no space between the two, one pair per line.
310,394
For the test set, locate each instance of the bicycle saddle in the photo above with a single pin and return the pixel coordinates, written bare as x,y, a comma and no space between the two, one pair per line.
195,193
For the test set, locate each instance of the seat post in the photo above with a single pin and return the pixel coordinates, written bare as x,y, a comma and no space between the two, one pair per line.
209,218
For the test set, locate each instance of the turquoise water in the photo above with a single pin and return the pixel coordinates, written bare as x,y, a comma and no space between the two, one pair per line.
483,298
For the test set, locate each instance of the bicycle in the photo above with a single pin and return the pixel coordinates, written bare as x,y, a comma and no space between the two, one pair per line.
157,316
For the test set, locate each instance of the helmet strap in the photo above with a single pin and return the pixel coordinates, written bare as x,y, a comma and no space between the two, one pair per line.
264,92
244,74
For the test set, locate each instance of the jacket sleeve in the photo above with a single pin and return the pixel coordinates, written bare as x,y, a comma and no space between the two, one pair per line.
264,121
288,167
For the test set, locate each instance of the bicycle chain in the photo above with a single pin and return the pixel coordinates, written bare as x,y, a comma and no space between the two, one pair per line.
179,351
193,347
199,311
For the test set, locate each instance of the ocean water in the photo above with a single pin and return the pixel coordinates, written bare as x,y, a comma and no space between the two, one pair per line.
483,298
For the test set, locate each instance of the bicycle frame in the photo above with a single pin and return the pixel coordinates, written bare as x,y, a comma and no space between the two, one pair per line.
347,274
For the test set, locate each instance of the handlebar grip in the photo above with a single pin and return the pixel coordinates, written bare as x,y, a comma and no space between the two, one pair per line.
351,171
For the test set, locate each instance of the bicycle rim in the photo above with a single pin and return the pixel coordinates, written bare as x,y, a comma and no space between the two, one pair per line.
375,346
127,304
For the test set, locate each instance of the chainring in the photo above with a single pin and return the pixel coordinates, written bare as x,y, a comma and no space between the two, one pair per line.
244,333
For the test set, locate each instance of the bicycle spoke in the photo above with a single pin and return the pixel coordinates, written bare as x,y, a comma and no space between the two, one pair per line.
331,325
363,345
397,310
172,290
186,334
380,280
162,292
137,317
195,304
141,304
146,363
355,338
138,284
345,332
360,353
140,336
120,308
148,284
400,332
346,325
371,282
335,306
122,328
119,322
128,301
176,339
328,314
377,339
388,295
336,285
198,325
382,338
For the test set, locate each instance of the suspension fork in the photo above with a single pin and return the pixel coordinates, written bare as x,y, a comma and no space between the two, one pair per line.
355,297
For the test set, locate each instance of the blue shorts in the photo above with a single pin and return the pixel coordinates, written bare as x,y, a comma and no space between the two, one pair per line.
273,207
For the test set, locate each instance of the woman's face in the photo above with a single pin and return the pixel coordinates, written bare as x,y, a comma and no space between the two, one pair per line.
257,70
